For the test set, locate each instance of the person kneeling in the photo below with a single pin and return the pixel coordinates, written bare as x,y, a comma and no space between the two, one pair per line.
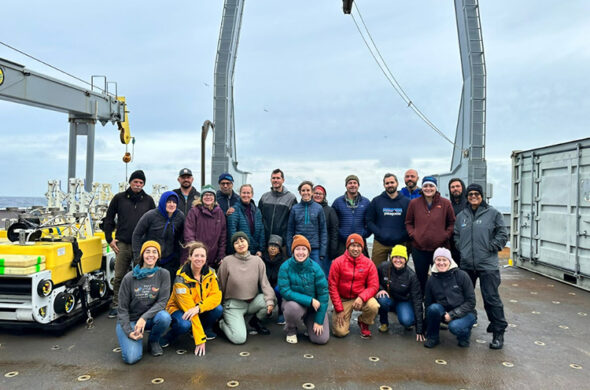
305,292
449,298
353,283
195,301
142,299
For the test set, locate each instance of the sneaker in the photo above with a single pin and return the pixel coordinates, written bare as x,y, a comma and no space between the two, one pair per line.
113,312
431,343
210,334
384,328
257,327
464,343
292,339
281,320
365,331
164,343
497,341
156,349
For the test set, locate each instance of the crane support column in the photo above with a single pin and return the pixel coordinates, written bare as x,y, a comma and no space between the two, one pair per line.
85,127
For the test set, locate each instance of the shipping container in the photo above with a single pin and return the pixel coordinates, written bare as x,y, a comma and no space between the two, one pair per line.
550,224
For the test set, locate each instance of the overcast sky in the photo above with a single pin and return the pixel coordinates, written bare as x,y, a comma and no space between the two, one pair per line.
308,96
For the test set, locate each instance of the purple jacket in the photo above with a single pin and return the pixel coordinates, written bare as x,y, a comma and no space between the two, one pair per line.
209,227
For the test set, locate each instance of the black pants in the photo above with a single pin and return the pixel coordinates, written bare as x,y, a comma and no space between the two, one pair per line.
489,281
422,262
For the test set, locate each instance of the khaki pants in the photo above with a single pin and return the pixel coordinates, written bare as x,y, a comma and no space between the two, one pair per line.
122,266
369,312
380,252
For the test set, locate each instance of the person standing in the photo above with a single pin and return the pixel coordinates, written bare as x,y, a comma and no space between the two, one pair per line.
205,223
458,199
142,301
275,206
479,235
352,284
386,218
126,208
411,190
248,219
429,222
307,218
226,197
186,192
319,196
351,209
304,287
164,225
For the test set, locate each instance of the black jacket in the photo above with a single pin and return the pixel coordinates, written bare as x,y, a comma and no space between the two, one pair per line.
332,226
186,205
273,266
453,290
402,285
128,207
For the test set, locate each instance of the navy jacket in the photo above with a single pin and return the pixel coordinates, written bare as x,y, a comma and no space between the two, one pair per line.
309,220
351,217
386,219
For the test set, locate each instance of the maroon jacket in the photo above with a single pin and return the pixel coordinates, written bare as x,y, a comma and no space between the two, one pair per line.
351,278
430,229
207,226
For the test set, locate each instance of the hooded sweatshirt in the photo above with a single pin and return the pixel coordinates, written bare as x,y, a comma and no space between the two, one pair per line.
386,219
158,226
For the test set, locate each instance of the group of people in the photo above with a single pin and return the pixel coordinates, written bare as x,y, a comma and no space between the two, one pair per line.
208,260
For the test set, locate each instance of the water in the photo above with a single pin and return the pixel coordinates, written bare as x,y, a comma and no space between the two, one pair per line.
22,201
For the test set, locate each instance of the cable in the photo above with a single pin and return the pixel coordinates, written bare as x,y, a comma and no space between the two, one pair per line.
389,75
53,67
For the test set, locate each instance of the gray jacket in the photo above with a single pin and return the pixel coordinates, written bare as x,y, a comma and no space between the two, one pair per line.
479,237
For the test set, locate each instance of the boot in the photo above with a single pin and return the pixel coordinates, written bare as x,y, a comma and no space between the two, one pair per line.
497,341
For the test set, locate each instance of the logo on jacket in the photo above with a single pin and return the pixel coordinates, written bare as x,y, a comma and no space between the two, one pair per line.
392,211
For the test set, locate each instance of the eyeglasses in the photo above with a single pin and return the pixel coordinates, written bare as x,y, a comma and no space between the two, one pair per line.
474,194
225,183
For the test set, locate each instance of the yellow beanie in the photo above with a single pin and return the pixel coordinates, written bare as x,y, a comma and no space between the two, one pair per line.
147,244
400,251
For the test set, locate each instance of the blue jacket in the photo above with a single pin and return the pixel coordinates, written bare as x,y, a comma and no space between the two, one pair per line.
238,222
225,201
386,219
351,217
415,194
309,220
301,282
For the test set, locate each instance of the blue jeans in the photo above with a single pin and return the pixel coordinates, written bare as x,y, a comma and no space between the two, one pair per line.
279,299
132,350
404,310
460,327
180,326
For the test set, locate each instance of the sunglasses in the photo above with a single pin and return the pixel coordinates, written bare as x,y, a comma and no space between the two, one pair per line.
474,194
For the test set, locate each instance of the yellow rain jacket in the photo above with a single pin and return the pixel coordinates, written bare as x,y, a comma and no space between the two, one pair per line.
188,292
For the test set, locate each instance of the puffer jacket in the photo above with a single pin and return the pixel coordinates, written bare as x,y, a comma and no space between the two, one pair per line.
351,216
238,222
188,292
302,282
209,227
452,289
430,228
351,278
402,286
158,226
386,219
309,220
479,237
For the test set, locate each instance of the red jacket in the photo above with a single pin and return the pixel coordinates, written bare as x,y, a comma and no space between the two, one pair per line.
351,278
430,229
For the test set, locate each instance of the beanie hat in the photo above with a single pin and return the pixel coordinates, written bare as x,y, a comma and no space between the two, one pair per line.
399,251
137,175
321,188
442,252
299,240
148,244
274,239
475,187
355,238
237,235
208,188
225,176
352,177
430,180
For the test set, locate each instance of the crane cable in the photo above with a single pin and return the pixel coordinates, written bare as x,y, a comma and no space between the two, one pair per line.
389,75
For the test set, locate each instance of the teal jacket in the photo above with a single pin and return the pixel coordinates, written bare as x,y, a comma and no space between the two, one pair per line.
301,282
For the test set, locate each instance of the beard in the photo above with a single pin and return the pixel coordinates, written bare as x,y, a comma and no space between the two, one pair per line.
391,190
410,184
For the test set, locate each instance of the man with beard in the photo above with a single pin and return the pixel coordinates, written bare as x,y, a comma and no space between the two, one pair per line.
186,193
128,207
459,202
386,219
275,206
411,190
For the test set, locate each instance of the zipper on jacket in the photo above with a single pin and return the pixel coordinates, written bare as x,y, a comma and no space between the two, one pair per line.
352,281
